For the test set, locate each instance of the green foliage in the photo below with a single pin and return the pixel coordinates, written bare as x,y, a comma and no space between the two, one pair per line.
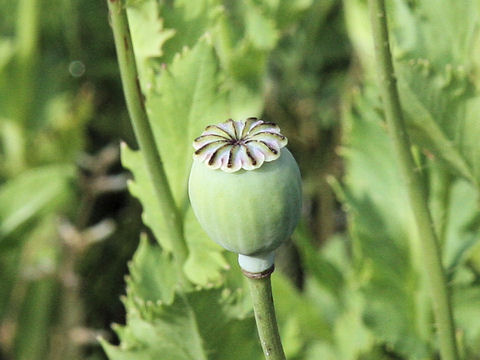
152,274
205,261
43,113
186,100
200,324
435,62
363,294
24,201
435,52
384,244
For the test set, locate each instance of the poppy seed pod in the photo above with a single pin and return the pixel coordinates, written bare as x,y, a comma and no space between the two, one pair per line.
245,189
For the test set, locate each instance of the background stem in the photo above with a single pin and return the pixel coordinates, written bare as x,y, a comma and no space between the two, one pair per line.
261,292
143,131
429,244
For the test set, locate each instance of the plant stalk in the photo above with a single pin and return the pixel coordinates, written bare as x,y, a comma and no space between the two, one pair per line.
261,292
143,131
435,273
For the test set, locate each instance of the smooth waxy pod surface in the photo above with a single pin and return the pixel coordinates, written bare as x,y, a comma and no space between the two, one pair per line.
245,189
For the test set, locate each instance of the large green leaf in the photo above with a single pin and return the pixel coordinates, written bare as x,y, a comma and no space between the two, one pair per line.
141,187
205,260
148,36
184,101
173,334
194,327
152,274
203,324
384,235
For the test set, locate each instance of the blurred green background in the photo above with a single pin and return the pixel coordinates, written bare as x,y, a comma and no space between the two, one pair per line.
349,288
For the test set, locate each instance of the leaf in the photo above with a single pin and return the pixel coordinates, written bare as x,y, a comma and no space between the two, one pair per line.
172,335
445,33
460,238
315,263
31,194
141,187
435,57
427,129
384,234
185,101
201,324
194,327
153,275
300,320
187,98
352,337
191,21
148,38
466,307
205,262
259,29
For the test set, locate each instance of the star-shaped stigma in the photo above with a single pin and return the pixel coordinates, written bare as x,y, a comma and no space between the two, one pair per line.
234,145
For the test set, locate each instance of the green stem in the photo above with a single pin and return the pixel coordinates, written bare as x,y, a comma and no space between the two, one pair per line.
429,244
143,131
261,291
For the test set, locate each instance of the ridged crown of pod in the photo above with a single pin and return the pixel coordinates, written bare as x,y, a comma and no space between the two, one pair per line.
245,189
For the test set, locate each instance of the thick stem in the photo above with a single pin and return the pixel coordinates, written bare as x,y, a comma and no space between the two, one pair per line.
261,291
143,131
429,244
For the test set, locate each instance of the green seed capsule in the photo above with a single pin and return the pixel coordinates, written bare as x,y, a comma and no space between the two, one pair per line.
245,189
